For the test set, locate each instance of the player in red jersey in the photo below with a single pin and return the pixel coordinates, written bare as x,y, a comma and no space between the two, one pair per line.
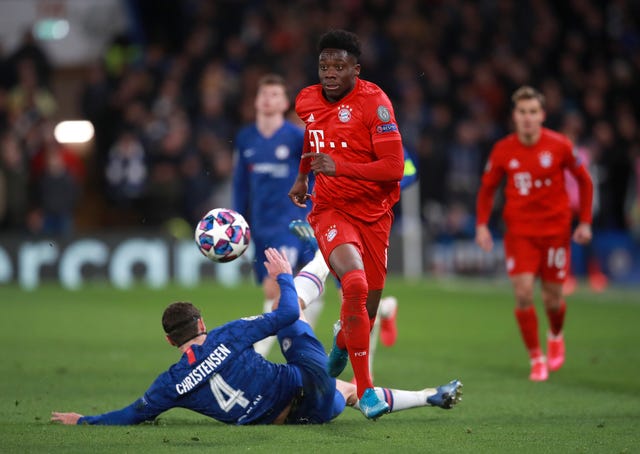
353,146
538,220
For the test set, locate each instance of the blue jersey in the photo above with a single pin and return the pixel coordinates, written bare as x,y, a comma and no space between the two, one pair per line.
225,378
265,170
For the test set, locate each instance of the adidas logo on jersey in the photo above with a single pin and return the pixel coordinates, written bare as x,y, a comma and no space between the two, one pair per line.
311,119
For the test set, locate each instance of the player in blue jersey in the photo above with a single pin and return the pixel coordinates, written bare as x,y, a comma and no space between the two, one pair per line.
220,375
267,154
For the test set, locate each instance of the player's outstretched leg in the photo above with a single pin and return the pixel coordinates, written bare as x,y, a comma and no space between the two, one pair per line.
309,283
310,280
446,396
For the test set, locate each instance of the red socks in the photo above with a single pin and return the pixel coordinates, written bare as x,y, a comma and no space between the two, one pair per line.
355,326
556,319
528,323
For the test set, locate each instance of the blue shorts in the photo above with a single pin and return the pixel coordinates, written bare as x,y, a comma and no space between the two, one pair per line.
320,401
298,252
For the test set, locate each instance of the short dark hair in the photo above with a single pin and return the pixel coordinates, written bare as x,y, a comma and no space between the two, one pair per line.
340,39
272,79
180,322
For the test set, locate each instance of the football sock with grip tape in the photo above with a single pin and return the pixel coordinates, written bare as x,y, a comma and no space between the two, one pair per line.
528,324
356,326
556,318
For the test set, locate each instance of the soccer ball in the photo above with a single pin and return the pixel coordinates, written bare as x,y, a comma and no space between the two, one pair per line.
222,235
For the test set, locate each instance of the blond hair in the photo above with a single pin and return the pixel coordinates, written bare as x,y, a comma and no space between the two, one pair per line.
526,92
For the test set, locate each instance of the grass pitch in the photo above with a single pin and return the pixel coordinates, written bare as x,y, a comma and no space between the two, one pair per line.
98,349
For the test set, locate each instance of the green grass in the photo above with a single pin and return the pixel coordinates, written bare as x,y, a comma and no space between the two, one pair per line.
98,349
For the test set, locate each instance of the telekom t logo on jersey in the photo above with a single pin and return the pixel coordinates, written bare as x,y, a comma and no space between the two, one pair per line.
317,142
522,181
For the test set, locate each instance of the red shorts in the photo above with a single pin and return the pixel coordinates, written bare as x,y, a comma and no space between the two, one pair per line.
546,256
333,228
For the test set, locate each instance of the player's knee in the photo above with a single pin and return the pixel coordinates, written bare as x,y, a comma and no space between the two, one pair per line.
354,291
552,301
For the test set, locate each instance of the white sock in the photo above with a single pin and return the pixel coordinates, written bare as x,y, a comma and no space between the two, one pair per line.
402,400
387,306
313,310
310,280
264,346
551,336
373,344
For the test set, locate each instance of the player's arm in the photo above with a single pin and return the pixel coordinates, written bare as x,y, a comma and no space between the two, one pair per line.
388,165
135,413
279,269
156,400
582,234
388,162
252,329
484,203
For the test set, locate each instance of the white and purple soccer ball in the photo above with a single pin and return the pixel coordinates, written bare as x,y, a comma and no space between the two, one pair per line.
222,235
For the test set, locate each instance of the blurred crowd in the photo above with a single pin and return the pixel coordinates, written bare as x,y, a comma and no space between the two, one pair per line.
167,97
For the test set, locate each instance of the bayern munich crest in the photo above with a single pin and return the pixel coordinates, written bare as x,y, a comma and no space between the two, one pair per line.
331,234
545,159
344,113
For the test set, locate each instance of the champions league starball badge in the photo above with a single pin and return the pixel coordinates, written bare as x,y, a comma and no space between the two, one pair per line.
384,114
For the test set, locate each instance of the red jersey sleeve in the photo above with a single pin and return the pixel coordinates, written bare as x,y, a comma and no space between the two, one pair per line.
493,174
379,118
305,164
303,110
585,185
389,165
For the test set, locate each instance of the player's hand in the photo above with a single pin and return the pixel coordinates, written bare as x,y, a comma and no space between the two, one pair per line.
298,192
321,163
276,263
483,238
69,419
582,234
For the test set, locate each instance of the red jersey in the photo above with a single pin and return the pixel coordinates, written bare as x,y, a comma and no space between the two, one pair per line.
366,183
536,201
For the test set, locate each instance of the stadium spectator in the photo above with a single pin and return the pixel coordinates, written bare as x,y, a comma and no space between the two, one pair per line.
28,101
14,184
220,375
532,161
267,154
164,195
354,148
56,196
126,175
57,174
29,50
